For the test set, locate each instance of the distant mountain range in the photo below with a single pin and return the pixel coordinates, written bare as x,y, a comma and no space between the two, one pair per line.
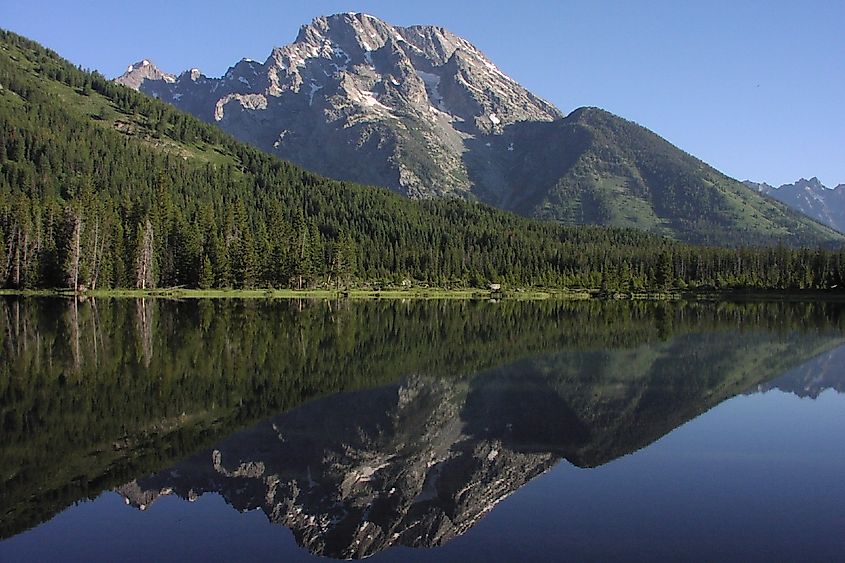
425,113
811,197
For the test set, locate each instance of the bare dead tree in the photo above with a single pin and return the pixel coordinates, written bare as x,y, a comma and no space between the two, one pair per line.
144,260
144,329
10,246
99,244
25,265
75,250
16,275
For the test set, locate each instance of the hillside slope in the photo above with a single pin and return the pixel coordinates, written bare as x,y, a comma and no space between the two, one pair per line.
598,168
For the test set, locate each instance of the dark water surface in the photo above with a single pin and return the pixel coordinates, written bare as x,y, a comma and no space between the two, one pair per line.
422,430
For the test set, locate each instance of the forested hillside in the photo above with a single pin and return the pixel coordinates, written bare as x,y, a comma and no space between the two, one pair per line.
102,187
604,170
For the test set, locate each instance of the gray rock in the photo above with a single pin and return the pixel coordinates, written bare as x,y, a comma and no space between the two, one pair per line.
358,99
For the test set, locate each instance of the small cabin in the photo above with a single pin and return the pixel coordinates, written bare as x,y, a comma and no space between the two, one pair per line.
495,287
406,283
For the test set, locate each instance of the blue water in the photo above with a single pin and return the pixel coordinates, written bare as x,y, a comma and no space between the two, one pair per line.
253,430
759,477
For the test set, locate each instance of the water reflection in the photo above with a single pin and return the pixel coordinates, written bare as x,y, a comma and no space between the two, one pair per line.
403,424
811,379
421,461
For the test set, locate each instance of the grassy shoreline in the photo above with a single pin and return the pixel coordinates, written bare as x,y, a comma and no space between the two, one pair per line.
440,293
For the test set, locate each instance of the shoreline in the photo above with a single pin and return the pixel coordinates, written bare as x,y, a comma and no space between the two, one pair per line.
441,293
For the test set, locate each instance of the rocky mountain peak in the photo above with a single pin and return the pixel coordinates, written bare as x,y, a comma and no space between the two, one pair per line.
351,84
194,74
138,73
351,28
813,184
812,198
761,187
436,44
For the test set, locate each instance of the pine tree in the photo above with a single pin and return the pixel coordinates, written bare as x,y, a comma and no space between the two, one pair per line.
316,251
664,274
278,268
244,261
18,152
219,261
342,260
206,280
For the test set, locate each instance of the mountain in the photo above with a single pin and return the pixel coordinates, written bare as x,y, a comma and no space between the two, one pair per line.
596,168
103,187
142,71
425,113
356,98
811,197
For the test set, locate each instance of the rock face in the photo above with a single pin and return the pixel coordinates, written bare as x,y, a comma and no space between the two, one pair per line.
140,73
356,98
811,197
423,112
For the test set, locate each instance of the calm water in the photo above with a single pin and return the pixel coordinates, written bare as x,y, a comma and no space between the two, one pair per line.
291,430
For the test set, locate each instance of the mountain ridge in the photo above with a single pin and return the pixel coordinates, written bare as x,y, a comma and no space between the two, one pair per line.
811,197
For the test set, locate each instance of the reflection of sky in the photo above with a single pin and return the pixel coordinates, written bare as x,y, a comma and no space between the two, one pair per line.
758,477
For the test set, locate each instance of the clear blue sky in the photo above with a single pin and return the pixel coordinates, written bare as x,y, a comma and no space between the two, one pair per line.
755,88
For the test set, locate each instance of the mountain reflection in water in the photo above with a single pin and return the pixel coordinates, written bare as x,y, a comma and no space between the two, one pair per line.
402,423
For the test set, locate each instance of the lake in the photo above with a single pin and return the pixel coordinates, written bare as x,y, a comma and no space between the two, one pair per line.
419,430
